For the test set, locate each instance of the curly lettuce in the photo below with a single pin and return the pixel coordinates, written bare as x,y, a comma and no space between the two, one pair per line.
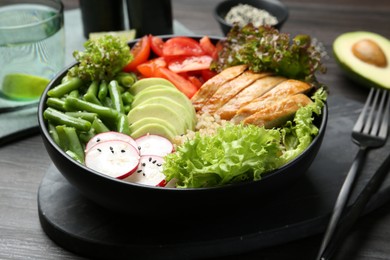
266,49
102,59
238,153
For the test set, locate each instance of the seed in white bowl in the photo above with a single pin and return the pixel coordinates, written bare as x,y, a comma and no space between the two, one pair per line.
242,14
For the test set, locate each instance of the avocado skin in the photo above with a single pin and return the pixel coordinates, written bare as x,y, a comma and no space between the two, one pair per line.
365,77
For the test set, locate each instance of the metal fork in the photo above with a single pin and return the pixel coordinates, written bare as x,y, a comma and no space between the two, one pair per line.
370,131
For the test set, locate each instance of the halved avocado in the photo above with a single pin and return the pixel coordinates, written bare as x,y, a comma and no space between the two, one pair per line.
365,57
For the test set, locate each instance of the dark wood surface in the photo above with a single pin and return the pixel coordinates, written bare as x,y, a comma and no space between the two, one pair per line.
24,163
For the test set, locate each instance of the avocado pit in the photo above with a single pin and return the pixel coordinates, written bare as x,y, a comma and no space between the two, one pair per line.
370,52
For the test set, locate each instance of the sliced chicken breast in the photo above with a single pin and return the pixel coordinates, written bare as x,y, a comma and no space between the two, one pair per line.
230,89
277,113
284,89
251,92
212,85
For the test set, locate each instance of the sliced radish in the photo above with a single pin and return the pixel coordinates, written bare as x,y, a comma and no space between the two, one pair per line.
154,145
109,136
114,158
149,171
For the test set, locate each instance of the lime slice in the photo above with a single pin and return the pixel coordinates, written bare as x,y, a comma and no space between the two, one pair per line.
23,86
124,35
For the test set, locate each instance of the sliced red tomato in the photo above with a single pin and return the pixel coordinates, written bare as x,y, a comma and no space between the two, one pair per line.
218,48
196,81
207,46
156,43
141,52
180,82
191,63
149,68
182,46
208,74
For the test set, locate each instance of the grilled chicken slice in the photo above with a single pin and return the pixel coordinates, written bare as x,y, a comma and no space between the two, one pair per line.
275,114
230,89
284,89
253,91
212,85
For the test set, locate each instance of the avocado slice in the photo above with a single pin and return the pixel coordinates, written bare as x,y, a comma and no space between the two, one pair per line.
153,128
182,110
365,57
160,111
148,82
151,120
170,93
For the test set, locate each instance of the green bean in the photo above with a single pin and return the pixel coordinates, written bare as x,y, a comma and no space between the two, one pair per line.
107,114
123,124
70,141
126,79
91,95
64,88
107,102
115,95
127,109
56,103
65,79
75,93
103,90
83,115
86,136
59,118
99,126
53,133
127,98
74,156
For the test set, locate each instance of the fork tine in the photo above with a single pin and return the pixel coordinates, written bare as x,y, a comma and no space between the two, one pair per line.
385,122
360,122
372,109
378,117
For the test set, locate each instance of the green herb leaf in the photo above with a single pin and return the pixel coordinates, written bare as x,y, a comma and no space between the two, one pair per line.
266,49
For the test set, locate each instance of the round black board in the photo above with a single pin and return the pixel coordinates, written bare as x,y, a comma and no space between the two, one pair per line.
297,211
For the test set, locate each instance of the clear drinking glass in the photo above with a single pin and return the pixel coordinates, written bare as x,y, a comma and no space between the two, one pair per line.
32,46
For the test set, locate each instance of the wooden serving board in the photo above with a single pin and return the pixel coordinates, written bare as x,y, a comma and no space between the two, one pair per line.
294,212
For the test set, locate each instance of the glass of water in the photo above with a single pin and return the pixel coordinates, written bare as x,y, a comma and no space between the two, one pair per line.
32,46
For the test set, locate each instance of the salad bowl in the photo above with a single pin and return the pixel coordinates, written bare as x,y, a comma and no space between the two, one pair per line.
137,199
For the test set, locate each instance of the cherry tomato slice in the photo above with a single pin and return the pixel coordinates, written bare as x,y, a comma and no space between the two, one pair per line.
208,74
149,68
156,43
196,81
141,52
182,46
207,46
180,82
191,63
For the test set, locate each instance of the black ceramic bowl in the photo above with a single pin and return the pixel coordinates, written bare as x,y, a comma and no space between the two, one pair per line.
144,200
274,7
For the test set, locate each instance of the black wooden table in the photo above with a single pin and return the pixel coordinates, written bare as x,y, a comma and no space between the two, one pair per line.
24,163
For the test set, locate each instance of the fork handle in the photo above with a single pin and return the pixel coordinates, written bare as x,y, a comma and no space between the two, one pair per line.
342,199
353,213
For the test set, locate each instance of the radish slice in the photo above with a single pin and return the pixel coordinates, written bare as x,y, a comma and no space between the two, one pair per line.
149,171
154,145
114,158
109,136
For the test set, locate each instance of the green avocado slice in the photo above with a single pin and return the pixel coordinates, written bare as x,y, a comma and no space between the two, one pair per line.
160,111
149,82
